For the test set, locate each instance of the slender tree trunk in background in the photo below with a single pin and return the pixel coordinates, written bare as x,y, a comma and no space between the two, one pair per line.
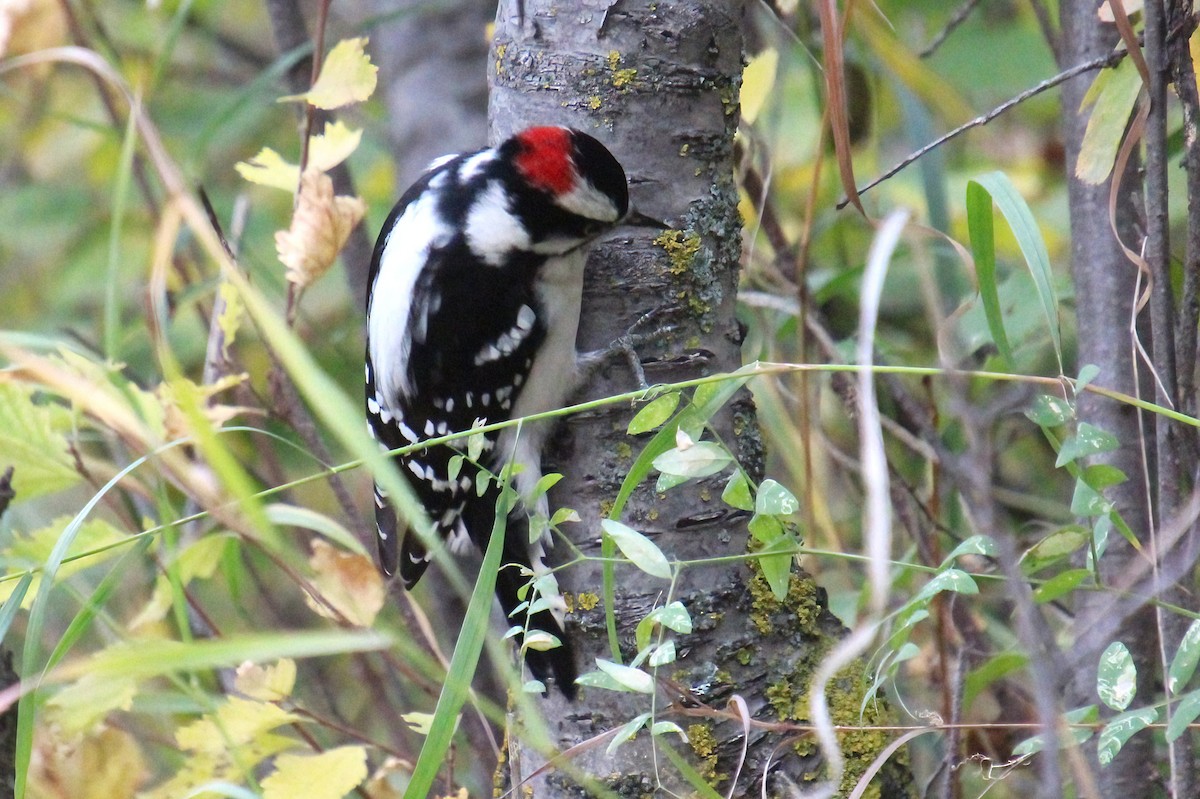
658,83
1105,297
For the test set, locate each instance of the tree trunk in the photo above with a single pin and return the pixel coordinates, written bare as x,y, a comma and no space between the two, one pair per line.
1105,295
658,83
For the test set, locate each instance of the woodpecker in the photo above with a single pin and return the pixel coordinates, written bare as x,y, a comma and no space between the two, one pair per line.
472,310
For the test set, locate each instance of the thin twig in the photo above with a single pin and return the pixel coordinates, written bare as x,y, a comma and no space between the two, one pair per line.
1097,63
957,18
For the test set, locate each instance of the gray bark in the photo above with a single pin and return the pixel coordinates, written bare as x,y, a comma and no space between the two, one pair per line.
658,83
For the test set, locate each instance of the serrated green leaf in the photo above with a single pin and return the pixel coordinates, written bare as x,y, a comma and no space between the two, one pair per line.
654,414
1183,665
1120,729
639,549
32,443
1060,584
1116,676
32,550
737,491
775,500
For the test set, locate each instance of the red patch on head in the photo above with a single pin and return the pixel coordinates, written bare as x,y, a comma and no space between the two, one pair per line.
545,159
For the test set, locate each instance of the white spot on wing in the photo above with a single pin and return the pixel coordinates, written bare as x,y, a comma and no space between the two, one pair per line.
475,164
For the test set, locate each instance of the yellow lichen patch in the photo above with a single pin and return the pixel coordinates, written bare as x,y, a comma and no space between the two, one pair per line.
681,248
623,77
704,744
587,601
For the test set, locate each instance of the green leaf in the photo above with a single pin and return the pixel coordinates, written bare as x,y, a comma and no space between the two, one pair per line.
640,550
765,528
954,580
1087,374
1101,476
983,246
655,413
737,491
975,545
1120,729
1033,248
775,559
1075,735
295,516
662,727
1088,440
1116,677
663,654
627,731
1183,665
1183,714
1119,88
990,671
627,677
1054,548
1048,410
775,500
1087,501
673,616
1060,584
32,442
701,459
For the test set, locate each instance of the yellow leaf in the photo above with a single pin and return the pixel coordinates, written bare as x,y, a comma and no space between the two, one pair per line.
269,168
230,318
347,76
79,705
237,722
419,722
176,424
320,226
388,781
329,775
106,764
32,442
327,150
30,550
347,582
1106,125
198,561
267,683
757,81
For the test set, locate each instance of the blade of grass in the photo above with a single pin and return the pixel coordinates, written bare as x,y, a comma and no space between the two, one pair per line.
1033,248
112,314
983,246
462,663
